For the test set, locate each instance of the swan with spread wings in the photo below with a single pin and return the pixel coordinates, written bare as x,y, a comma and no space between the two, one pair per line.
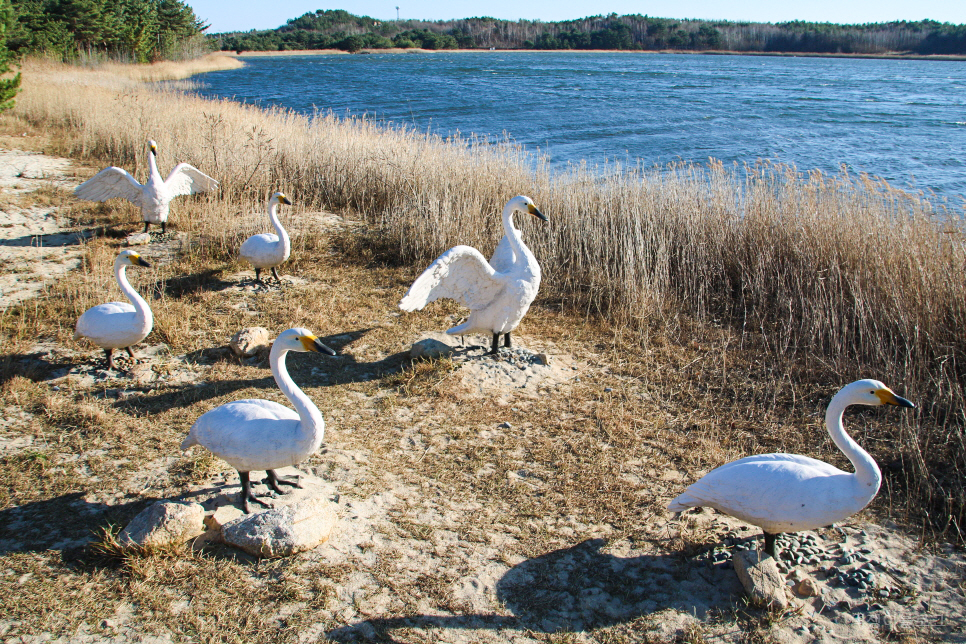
153,197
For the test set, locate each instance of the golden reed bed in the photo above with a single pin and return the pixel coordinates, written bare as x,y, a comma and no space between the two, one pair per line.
842,276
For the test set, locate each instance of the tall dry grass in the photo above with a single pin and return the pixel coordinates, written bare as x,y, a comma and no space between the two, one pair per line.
840,273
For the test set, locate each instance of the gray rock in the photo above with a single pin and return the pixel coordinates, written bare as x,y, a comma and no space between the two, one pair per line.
761,579
250,341
164,523
544,359
430,348
282,532
808,587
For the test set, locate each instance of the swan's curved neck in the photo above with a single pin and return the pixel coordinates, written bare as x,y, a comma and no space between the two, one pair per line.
866,471
520,250
311,423
282,235
141,307
153,166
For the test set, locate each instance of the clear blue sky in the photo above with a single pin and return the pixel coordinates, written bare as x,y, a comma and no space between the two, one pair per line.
242,15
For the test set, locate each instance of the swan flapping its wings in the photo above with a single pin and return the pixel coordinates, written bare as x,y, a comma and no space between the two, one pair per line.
791,492
498,293
154,197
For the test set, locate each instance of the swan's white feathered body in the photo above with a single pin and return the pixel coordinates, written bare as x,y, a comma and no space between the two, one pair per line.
117,325
268,250
154,197
260,434
498,293
789,492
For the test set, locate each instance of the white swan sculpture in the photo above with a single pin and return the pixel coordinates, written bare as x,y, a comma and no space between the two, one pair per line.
789,492
498,293
118,325
261,434
268,250
154,197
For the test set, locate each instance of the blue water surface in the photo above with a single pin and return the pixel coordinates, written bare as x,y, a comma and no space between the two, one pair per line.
902,120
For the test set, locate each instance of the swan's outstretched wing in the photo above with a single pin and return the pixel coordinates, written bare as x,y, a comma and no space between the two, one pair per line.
186,179
110,183
462,274
503,256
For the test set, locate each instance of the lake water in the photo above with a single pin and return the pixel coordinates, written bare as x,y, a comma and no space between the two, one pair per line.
903,120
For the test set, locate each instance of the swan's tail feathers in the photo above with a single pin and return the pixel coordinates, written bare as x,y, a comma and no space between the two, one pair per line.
189,441
683,502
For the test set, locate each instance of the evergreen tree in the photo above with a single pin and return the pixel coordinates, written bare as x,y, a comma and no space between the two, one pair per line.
8,86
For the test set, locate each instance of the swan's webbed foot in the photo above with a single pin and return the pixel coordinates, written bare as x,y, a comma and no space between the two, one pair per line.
274,480
110,359
134,358
275,275
770,545
247,494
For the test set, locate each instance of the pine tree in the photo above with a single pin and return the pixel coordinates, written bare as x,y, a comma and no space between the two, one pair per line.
8,86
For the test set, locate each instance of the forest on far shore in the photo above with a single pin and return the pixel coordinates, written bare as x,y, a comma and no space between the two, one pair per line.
338,29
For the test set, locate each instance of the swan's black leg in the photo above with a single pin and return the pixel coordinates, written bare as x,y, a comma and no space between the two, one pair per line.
258,276
110,358
274,480
496,344
770,544
506,340
146,224
131,353
246,493
164,227
275,275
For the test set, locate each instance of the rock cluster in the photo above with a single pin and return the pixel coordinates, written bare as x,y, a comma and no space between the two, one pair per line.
298,521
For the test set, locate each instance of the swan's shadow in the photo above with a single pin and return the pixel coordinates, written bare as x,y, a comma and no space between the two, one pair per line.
67,523
577,589
307,370
50,240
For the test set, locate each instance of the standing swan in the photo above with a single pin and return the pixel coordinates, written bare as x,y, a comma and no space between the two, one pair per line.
268,250
118,325
261,434
498,293
789,492
153,197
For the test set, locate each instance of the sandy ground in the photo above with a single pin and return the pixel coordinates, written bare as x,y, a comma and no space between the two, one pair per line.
399,531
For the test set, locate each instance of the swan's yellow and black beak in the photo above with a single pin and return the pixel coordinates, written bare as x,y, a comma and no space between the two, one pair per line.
137,260
312,343
889,398
154,149
536,213
285,200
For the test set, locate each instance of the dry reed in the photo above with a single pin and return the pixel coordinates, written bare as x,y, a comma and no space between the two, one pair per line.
841,273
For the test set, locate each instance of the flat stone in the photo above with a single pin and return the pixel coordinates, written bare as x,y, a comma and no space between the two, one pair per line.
137,239
761,579
543,358
222,516
430,348
285,531
164,523
808,587
250,341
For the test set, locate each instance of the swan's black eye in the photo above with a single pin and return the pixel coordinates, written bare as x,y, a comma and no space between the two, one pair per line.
872,392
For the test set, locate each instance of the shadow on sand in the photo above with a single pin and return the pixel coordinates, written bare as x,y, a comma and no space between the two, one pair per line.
573,590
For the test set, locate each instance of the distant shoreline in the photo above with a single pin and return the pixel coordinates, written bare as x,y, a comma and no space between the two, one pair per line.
339,52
